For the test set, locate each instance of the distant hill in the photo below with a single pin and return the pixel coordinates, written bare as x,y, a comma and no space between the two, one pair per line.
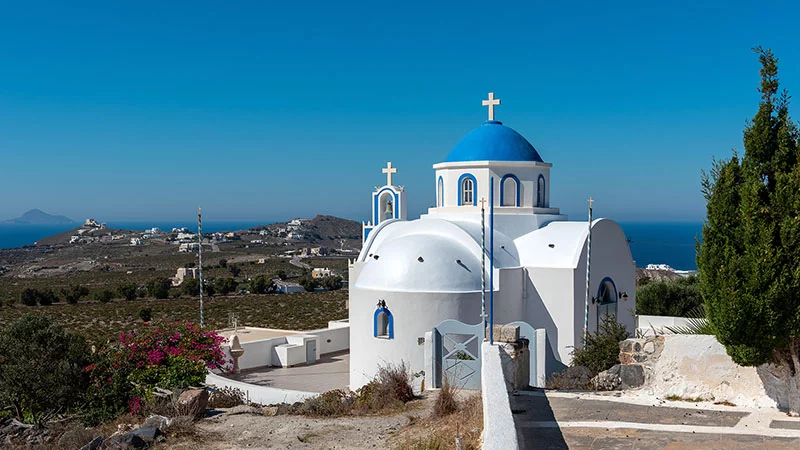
38,217
330,227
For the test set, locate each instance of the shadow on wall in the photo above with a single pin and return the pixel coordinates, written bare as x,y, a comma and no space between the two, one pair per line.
776,384
539,317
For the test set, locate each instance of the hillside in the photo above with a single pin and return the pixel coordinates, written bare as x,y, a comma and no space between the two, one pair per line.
330,227
38,217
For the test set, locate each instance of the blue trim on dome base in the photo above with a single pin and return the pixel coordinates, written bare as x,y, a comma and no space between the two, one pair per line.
493,141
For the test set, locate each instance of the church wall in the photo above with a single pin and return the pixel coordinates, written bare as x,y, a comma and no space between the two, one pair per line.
528,176
414,314
550,301
611,258
508,301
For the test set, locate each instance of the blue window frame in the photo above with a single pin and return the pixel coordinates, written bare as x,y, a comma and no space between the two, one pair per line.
509,198
383,323
467,190
540,192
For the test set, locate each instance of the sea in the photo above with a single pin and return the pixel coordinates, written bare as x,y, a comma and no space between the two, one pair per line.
671,243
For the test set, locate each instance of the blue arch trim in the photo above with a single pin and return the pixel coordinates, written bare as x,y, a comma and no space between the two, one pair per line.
440,191
474,188
390,318
516,184
377,203
540,192
600,290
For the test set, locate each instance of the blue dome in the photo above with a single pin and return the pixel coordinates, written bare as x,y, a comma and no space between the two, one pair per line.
493,141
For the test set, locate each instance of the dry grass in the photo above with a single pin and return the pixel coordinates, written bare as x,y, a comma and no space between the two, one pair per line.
226,397
440,433
446,402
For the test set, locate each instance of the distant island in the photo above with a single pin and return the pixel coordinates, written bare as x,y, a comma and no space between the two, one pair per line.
38,217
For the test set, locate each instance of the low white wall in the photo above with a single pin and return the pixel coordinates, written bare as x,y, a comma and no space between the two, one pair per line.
499,431
331,340
257,353
260,394
646,324
694,366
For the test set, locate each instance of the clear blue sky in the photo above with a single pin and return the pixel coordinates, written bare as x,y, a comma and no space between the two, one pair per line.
269,110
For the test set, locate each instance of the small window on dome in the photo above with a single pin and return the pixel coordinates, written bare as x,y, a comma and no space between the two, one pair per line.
440,193
540,197
467,192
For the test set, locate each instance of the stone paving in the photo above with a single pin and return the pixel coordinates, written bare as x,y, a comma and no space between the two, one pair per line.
332,371
556,420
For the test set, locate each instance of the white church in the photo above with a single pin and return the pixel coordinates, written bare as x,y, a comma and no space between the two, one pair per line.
526,263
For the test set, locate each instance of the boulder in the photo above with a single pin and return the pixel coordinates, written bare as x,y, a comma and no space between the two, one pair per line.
95,444
149,434
631,376
156,421
242,409
619,377
127,441
574,377
194,402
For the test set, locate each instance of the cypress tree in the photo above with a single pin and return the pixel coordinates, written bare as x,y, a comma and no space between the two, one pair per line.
749,260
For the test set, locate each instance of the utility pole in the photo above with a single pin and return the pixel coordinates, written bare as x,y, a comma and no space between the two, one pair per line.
200,261
588,262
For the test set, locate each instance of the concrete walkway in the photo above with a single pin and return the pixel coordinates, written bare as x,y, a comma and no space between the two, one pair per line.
560,420
332,371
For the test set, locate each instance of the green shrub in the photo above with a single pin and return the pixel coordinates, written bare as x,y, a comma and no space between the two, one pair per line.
234,270
223,263
41,368
600,350
261,285
47,297
103,295
225,286
128,291
73,293
146,314
190,287
308,283
29,296
158,287
669,298
332,283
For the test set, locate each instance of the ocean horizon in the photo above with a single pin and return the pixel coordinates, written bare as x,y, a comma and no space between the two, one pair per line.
671,243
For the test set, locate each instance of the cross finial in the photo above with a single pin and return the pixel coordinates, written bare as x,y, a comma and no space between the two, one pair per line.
491,103
482,201
591,201
389,170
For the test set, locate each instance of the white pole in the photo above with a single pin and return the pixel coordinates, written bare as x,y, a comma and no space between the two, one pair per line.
200,260
588,262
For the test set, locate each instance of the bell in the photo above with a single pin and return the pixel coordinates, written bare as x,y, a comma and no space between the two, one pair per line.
389,210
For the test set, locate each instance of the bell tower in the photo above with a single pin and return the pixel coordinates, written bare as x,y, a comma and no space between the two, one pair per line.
388,202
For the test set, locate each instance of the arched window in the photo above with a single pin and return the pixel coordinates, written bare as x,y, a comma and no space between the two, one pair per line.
606,300
467,192
383,322
540,197
386,206
509,191
440,192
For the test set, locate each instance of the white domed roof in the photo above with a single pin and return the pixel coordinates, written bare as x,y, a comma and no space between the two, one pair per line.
424,263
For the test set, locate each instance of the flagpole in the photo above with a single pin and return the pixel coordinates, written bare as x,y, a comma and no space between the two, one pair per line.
491,260
483,265
588,271
200,261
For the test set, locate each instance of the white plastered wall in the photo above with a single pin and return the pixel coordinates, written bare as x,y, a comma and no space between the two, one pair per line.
414,314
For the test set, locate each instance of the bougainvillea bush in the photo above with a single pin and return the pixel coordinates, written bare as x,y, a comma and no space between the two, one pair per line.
166,355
